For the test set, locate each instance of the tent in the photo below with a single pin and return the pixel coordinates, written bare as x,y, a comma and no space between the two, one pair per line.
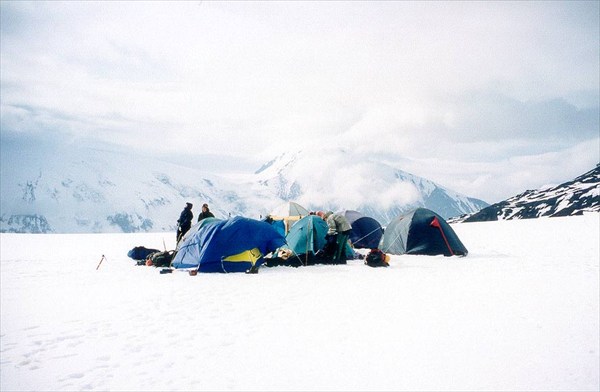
421,232
305,239
307,236
366,231
232,245
279,225
290,212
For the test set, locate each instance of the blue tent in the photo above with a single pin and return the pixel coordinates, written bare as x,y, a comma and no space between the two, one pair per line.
279,225
366,231
210,244
421,232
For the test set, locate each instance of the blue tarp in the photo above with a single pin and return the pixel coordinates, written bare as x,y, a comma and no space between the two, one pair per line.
211,240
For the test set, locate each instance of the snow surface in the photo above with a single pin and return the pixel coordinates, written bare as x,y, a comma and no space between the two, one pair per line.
521,312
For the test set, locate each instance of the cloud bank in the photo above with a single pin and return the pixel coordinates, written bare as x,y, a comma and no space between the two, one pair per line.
479,96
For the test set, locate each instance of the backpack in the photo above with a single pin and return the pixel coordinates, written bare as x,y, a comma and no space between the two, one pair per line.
160,259
376,258
141,253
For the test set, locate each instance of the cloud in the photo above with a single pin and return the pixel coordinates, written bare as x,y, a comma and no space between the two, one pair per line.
332,178
497,179
481,125
456,82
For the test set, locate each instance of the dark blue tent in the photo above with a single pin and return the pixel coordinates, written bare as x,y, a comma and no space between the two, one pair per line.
366,231
215,245
421,232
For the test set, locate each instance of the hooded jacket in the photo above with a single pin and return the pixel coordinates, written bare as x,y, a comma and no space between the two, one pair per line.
336,223
186,216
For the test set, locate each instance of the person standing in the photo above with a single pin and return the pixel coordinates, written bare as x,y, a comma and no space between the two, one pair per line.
205,213
338,230
185,220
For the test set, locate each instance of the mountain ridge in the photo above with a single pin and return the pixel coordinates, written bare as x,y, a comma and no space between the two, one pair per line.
573,197
79,190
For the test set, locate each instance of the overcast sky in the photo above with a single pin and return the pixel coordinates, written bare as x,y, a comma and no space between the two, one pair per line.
486,98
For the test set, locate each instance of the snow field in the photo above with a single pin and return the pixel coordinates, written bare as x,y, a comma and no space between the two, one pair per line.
520,312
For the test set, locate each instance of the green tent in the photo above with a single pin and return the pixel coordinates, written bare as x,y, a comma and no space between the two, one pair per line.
307,236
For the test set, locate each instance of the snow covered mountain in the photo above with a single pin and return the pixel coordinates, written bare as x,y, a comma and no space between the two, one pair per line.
336,179
78,190
570,198
65,189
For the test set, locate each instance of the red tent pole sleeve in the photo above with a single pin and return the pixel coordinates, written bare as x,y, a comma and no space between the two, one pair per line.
436,223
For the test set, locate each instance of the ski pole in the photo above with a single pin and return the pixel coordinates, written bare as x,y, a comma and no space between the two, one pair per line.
100,262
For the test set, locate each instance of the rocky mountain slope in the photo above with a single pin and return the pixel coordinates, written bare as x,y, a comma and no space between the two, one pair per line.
574,197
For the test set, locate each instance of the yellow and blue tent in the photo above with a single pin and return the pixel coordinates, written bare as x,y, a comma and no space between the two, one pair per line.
232,245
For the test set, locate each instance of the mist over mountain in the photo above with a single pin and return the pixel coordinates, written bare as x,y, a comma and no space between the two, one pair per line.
337,179
574,197
75,189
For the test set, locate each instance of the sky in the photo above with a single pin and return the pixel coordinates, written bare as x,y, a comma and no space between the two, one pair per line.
486,98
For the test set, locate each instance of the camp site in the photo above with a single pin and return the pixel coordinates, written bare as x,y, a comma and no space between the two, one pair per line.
291,235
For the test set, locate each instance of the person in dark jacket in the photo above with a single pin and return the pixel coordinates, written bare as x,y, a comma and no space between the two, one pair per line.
185,220
205,213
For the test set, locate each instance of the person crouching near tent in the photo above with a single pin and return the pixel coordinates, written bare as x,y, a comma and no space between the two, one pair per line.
337,236
185,220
